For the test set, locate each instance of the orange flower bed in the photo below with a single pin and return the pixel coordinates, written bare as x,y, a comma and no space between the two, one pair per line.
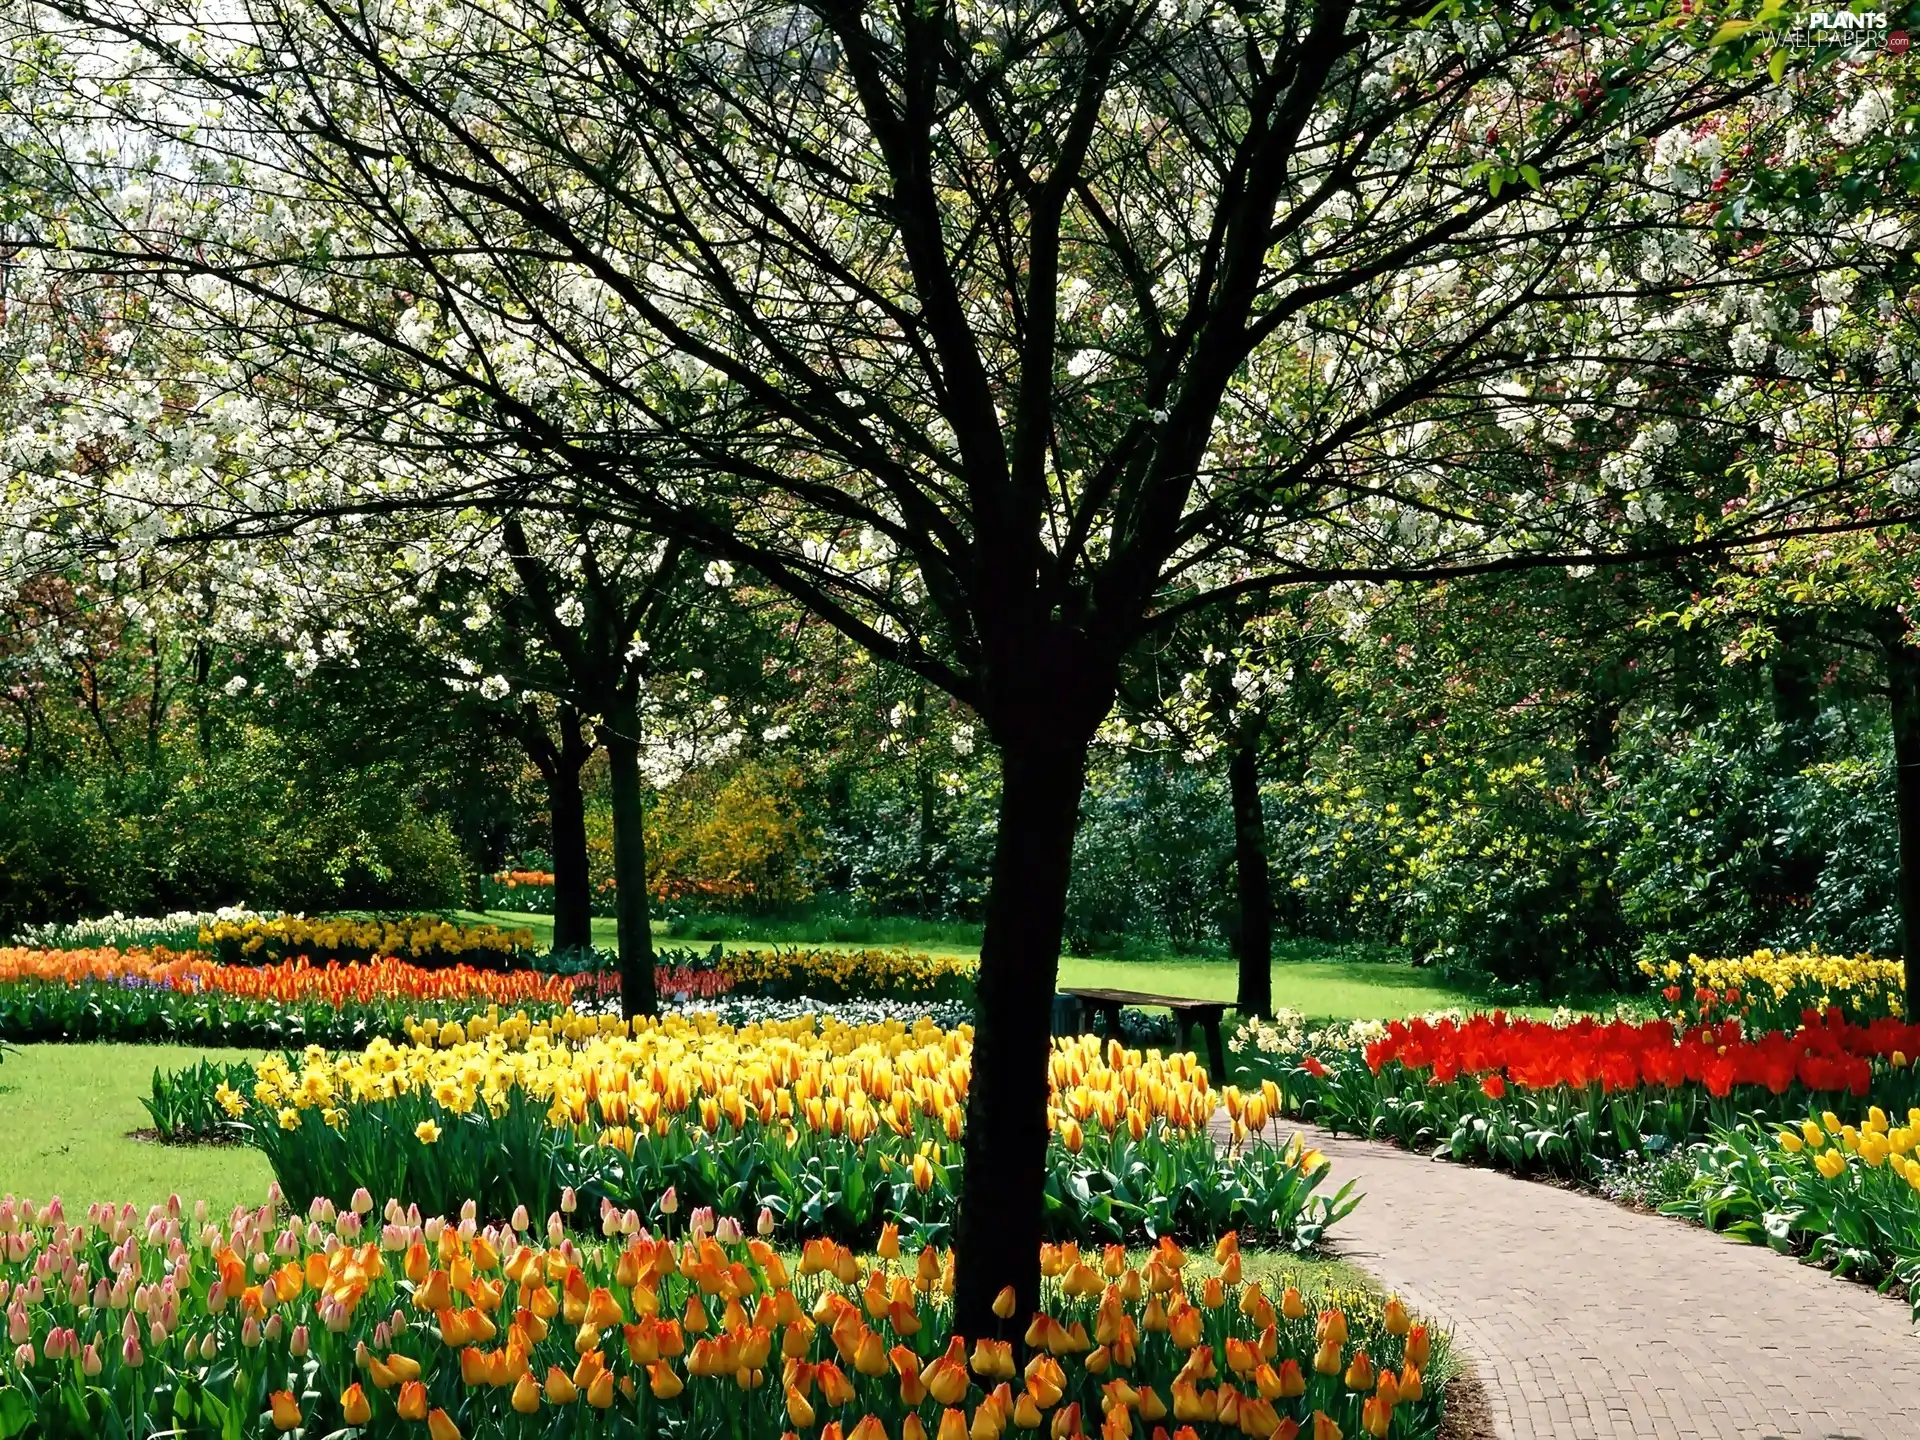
70,967
291,982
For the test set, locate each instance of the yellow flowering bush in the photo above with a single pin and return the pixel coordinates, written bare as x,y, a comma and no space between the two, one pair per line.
1771,989
422,939
836,1129
341,1324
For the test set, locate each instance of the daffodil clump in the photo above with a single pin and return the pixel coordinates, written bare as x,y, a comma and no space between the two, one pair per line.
421,939
1773,989
837,1129
445,1329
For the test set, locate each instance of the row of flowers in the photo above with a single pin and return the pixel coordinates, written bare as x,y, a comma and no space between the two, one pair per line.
186,998
427,940
1845,1195
792,972
444,1328
833,1129
1771,990
1571,1097
179,930
830,974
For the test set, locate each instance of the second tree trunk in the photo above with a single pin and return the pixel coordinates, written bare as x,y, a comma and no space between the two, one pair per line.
572,885
632,921
1254,881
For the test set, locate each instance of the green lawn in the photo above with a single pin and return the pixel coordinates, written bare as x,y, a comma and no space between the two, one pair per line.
1336,989
66,1111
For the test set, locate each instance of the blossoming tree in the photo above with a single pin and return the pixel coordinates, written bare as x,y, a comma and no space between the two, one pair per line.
984,331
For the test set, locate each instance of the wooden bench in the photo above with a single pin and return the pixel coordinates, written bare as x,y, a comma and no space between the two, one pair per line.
1187,1014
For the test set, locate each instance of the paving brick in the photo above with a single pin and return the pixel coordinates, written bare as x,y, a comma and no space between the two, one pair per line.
1585,1319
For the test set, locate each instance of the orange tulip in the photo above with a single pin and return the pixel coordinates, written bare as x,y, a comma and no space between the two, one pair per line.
285,1410
1360,1372
526,1395
440,1426
1418,1347
413,1401
355,1408
600,1392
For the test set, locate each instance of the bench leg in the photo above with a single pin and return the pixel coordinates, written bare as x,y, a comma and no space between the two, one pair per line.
1216,1053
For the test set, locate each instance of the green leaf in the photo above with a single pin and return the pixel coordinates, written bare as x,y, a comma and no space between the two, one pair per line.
1777,66
1730,31
16,1413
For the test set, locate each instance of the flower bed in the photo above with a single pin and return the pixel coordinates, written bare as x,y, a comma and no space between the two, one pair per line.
161,995
1846,1196
835,1130
422,939
1772,990
1566,1098
177,931
827,974
450,1330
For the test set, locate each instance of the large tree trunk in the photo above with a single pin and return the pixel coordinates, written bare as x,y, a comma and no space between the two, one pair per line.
632,922
572,885
998,1234
1903,678
1255,880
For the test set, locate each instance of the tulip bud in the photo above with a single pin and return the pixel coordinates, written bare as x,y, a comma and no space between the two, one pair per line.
90,1362
209,1345
250,1332
520,1221
131,1354
297,1342
569,1202
670,1202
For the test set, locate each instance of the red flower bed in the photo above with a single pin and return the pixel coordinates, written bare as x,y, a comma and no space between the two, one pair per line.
1827,1053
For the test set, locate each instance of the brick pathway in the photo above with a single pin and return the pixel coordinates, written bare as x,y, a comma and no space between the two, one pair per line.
1588,1320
